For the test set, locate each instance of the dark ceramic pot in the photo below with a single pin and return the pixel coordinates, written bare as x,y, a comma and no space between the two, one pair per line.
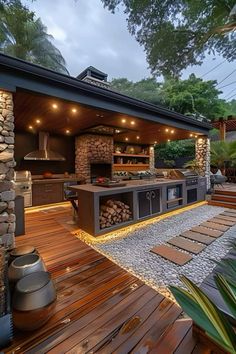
34,301
21,251
25,265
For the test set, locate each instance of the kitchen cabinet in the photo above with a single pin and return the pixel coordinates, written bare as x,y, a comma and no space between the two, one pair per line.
148,202
47,193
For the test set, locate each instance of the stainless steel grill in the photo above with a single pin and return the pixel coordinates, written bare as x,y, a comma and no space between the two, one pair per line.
23,186
190,176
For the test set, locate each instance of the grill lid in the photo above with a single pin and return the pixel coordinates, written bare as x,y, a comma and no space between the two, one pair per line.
182,173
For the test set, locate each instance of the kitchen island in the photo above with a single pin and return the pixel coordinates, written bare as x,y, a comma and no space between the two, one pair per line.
102,210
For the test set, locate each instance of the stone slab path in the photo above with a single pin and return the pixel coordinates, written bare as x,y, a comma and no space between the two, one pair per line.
195,239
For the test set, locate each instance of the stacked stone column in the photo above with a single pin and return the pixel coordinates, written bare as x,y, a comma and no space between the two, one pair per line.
7,163
202,155
151,159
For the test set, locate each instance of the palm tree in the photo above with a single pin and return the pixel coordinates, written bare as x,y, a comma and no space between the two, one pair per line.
23,36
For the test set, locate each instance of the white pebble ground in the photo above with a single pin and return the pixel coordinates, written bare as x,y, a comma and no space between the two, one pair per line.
133,252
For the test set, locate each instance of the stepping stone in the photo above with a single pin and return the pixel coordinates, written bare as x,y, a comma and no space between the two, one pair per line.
186,244
198,237
231,211
226,217
208,232
222,222
226,213
171,254
214,226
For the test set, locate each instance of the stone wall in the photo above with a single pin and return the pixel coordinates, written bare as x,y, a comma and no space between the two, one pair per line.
152,159
202,151
92,149
7,163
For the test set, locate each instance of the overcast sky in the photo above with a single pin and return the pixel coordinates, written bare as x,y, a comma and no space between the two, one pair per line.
87,34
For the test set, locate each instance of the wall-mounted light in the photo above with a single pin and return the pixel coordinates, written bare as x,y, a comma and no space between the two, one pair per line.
54,106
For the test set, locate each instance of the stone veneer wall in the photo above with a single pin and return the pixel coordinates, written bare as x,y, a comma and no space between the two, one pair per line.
92,149
202,155
152,159
7,164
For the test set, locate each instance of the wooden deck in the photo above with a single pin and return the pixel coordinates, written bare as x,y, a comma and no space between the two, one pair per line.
224,196
101,308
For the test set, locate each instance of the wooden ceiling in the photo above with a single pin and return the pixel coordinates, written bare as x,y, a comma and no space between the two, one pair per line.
44,113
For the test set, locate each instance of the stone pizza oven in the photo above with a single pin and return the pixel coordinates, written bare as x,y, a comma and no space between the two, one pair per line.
92,149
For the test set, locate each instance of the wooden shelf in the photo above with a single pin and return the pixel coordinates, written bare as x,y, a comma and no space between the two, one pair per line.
131,155
130,164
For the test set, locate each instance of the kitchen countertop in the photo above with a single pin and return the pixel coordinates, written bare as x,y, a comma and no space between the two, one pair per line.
142,184
55,180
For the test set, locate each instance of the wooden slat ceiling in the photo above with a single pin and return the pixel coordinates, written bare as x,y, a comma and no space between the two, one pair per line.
30,108
230,124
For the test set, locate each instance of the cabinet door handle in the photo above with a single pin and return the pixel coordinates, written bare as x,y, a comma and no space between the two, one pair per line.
153,194
148,196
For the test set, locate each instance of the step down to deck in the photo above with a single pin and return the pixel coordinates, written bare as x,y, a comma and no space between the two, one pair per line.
222,204
198,237
206,231
224,198
222,222
214,226
171,254
224,191
186,244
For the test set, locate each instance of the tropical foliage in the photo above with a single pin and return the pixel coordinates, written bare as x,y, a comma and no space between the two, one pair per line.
191,29
24,36
223,153
175,149
192,96
204,312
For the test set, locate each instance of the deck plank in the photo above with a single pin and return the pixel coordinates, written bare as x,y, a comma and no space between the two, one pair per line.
99,304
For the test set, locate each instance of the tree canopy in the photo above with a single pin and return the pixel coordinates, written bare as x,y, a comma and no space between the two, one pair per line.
192,96
24,36
176,34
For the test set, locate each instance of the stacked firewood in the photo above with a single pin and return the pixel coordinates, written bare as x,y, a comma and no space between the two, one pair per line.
114,212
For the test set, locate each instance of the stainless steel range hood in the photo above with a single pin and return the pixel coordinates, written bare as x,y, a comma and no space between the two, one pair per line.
44,152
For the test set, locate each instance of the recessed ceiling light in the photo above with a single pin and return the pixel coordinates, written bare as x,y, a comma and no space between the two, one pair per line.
190,135
30,127
54,106
172,131
155,142
137,137
38,121
74,110
67,131
166,130
126,139
168,140
123,120
132,122
195,136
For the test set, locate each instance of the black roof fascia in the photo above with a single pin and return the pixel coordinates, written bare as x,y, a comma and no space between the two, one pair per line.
20,74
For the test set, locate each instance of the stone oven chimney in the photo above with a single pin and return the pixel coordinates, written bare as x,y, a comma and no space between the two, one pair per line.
94,76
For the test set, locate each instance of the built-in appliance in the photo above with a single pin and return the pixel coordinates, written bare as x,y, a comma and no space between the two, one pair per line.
148,202
174,196
192,182
23,186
